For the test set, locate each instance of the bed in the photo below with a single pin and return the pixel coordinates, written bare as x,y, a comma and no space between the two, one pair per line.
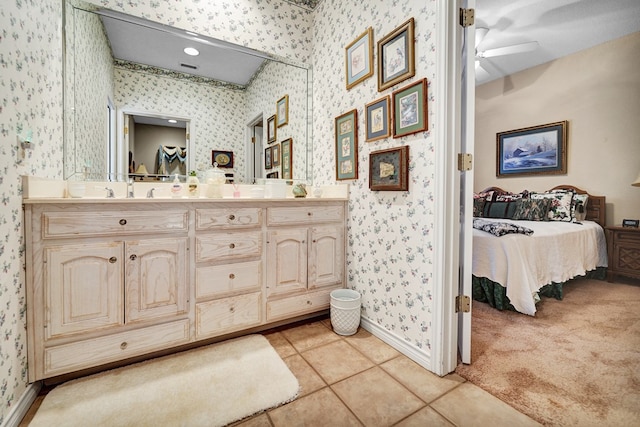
513,270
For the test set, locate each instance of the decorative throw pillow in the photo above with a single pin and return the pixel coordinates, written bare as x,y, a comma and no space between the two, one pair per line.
478,207
532,209
579,200
560,207
499,209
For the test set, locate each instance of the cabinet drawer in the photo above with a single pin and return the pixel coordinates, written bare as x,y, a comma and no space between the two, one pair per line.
93,352
621,236
73,224
304,214
227,246
226,315
211,219
220,280
298,305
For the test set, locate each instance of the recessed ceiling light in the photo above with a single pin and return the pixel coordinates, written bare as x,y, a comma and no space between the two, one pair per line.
191,51
172,121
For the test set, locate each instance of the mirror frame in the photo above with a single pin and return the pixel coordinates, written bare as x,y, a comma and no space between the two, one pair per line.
70,144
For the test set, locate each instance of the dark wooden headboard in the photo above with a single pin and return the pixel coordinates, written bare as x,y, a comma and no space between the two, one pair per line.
596,205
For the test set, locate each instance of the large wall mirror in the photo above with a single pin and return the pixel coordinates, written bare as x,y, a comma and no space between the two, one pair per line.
125,76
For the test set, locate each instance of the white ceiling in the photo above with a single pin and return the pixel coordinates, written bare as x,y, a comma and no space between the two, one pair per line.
561,27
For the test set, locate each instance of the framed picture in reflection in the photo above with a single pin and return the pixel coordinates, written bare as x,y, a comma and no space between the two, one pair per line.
282,111
271,129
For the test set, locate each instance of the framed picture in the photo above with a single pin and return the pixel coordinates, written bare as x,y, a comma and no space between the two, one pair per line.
224,159
410,109
536,150
275,155
378,119
359,58
275,174
282,111
287,158
396,56
271,129
346,136
267,158
389,169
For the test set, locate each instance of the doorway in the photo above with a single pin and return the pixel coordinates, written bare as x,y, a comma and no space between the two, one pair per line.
254,150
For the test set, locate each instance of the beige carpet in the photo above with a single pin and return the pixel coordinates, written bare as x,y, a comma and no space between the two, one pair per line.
209,386
577,363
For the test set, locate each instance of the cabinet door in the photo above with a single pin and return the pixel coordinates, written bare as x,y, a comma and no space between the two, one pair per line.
326,257
156,283
83,287
286,261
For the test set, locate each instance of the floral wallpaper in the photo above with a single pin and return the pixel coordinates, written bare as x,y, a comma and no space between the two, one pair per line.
390,241
31,90
273,82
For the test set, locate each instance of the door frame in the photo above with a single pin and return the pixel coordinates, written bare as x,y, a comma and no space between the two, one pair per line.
254,150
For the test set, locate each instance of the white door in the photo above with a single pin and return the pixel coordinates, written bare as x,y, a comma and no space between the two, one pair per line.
467,123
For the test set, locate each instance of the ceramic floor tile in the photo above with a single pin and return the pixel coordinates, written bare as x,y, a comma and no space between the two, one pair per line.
309,380
280,344
426,416
336,361
261,420
376,398
309,335
319,409
426,385
372,347
469,405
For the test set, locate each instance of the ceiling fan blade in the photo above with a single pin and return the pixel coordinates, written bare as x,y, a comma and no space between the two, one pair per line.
508,50
480,34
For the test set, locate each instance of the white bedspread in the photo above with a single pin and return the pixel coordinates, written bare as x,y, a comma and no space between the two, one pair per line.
555,252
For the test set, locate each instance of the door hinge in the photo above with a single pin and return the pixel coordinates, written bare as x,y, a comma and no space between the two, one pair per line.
467,17
463,304
126,130
253,139
465,162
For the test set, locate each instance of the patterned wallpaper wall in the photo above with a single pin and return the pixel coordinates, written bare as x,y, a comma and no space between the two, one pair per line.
31,90
274,81
390,247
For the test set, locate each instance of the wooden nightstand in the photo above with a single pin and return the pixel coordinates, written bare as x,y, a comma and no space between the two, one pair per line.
623,246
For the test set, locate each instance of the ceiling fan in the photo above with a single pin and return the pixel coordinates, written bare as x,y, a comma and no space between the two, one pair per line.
481,55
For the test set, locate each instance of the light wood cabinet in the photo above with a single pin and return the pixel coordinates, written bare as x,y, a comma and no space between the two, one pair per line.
112,280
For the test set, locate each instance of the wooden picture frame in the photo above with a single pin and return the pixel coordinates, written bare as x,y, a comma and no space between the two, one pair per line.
346,139
267,158
535,150
286,148
359,59
224,159
275,174
275,155
282,111
389,169
410,109
396,56
378,119
271,129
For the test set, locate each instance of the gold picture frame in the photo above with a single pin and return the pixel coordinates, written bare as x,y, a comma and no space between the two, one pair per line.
358,58
282,111
396,56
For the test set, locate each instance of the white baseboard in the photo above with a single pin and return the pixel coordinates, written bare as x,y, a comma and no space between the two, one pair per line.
21,408
412,352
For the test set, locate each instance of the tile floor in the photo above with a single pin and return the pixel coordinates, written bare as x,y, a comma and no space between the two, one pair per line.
361,381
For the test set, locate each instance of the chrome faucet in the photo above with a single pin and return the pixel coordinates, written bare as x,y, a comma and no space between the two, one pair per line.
110,194
150,193
130,189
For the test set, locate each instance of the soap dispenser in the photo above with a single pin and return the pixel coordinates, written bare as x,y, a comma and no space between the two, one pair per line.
176,187
193,185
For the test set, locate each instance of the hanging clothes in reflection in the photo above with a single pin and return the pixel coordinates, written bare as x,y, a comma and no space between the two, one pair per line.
167,156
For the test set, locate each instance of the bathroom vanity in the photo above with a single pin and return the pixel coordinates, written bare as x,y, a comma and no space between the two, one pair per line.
109,280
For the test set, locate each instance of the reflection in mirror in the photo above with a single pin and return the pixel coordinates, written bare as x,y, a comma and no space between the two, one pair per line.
220,115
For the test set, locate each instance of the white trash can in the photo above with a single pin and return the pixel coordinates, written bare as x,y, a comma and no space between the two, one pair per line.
345,311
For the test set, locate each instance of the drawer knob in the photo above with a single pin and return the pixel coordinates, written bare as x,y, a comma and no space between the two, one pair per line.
124,345
232,217
123,222
113,260
232,309
310,213
232,276
133,257
232,245
309,302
